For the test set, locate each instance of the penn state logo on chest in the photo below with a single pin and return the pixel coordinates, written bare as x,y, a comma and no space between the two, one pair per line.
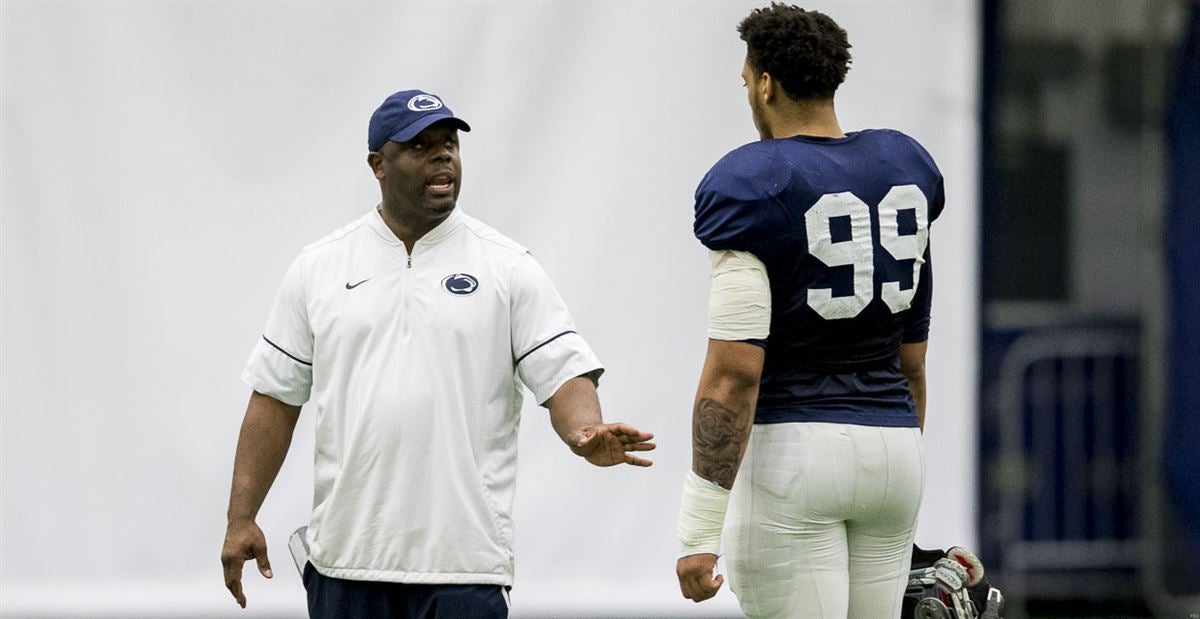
460,283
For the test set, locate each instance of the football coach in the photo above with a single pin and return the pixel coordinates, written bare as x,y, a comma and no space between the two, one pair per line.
408,333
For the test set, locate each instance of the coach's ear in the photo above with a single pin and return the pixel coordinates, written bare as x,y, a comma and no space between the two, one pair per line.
375,160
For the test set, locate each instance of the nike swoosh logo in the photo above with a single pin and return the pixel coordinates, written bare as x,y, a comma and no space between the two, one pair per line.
350,286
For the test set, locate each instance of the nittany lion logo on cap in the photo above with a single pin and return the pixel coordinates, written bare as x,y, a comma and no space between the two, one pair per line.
460,283
424,103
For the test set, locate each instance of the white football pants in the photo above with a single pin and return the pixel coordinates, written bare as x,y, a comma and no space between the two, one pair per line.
822,519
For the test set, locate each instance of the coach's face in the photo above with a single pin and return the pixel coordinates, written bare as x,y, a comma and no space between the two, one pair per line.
420,179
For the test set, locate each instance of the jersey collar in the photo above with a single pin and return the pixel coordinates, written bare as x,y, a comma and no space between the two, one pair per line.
439,232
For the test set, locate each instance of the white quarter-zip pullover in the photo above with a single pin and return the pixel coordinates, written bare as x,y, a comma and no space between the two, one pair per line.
411,365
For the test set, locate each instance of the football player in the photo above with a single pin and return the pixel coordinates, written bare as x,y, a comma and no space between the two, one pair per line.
814,382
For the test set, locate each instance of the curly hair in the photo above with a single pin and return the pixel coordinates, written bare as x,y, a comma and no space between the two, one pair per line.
805,50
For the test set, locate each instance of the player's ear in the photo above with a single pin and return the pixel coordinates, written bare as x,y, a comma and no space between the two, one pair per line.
768,87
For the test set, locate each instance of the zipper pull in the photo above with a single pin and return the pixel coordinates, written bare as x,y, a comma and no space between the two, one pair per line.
410,261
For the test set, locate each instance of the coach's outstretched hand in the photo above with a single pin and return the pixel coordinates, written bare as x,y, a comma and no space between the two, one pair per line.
611,443
243,541
696,579
575,415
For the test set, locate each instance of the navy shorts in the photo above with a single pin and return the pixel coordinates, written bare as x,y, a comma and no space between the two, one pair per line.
330,598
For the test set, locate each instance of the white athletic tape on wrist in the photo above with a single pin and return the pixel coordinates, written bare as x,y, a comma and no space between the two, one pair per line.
701,516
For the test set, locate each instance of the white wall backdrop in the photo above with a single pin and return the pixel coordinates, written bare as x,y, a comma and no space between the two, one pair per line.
162,162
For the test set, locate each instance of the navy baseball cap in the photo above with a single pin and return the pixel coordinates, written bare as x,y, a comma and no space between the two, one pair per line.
405,114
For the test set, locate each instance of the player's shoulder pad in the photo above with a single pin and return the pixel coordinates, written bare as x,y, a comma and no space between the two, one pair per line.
736,199
748,173
911,150
901,140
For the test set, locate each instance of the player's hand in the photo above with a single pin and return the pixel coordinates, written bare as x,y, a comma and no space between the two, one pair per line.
611,443
696,579
243,541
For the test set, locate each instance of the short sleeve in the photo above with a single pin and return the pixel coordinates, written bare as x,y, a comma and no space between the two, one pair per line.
280,365
916,323
939,199
546,348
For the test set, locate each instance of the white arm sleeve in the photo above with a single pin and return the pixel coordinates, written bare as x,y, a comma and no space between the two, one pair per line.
739,300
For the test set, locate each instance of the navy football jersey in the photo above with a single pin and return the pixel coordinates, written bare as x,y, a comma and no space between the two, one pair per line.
842,226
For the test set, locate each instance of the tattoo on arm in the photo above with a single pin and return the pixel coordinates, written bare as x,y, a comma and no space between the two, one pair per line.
719,436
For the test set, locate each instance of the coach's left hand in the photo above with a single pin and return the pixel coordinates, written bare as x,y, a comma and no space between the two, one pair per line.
696,579
611,443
